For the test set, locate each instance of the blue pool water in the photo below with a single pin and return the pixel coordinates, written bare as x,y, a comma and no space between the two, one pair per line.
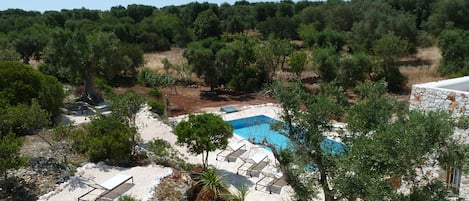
257,128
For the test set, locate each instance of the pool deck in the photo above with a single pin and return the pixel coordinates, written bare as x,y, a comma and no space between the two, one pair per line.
151,128
229,168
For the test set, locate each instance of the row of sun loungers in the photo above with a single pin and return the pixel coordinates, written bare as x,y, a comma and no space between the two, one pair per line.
255,163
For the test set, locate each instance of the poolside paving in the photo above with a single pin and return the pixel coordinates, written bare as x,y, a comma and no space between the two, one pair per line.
151,128
229,169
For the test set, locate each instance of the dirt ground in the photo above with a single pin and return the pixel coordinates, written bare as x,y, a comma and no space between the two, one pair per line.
185,100
418,68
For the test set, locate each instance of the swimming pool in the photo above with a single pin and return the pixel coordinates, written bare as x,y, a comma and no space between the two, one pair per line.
257,128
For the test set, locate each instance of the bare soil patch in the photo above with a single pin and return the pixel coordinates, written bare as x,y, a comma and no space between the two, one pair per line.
185,100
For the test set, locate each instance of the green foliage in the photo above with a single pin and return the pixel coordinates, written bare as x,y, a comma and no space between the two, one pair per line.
87,55
375,19
108,89
243,191
245,81
326,61
279,27
375,108
211,180
435,190
448,15
270,56
7,51
107,139
10,157
415,138
206,25
323,39
157,107
305,129
127,198
126,106
23,119
389,49
162,148
204,133
453,44
155,93
153,79
31,41
20,84
463,122
166,155
354,69
51,95
201,56
297,63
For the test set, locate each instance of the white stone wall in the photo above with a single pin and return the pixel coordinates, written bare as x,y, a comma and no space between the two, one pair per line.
432,98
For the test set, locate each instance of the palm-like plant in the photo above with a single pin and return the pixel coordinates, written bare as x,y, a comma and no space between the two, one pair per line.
243,191
212,181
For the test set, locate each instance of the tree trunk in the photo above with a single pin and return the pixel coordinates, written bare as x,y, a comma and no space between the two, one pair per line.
90,95
323,175
203,160
206,159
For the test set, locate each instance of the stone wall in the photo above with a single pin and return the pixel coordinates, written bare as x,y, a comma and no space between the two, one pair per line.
433,98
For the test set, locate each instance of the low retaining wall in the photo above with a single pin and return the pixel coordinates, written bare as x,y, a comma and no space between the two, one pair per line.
442,95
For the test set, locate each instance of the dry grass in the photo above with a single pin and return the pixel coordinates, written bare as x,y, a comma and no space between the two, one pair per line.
420,74
153,60
422,67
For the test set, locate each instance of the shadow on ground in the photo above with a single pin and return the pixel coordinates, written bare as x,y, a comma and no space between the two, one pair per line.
15,188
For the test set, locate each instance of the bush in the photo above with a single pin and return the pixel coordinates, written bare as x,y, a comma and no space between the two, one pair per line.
155,93
21,83
153,79
166,155
127,198
107,139
104,85
156,107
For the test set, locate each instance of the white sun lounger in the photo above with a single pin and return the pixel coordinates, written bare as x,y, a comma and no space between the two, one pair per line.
253,165
108,185
234,149
272,179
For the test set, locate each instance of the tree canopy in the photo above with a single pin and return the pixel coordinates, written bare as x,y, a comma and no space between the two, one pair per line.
203,133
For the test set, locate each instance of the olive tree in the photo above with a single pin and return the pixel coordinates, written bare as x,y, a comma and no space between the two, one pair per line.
204,133
87,56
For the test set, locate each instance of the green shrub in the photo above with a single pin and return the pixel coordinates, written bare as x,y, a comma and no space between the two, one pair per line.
161,148
104,85
153,79
127,198
156,107
107,139
155,93
167,156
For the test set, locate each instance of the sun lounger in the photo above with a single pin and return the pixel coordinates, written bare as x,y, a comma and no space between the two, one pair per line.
233,151
272,179
108,185
228,109
254,163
